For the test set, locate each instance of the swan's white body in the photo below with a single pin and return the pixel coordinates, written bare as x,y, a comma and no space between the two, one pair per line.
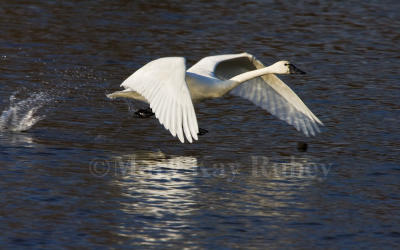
171,90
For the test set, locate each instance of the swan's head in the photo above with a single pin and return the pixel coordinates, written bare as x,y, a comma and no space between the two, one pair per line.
285,67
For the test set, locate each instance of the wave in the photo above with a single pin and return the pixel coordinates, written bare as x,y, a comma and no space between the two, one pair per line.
21,115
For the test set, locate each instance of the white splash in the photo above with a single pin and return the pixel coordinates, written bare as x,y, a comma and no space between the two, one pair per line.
23,114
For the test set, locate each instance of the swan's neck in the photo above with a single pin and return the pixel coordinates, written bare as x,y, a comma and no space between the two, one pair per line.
252,74
203,87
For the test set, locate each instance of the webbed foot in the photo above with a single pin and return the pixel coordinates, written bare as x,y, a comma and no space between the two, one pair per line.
202,131
144,113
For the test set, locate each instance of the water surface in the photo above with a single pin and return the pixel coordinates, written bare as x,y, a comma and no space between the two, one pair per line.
78,170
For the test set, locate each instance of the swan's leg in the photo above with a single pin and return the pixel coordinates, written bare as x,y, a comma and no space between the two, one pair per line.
202,131
144,113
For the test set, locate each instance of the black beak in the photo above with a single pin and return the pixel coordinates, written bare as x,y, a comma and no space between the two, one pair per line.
294,70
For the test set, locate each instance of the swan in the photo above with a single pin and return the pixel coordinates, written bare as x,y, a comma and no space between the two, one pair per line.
171,90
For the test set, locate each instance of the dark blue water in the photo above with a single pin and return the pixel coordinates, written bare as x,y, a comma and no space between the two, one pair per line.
83,172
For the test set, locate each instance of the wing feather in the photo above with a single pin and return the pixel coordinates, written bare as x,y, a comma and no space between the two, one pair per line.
179,125
168,116
193,128
163,109
185,125
162,83
173,119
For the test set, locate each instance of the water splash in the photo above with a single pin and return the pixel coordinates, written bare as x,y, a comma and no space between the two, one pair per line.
21,115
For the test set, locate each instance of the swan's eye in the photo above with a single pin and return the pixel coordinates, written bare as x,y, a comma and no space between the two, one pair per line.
286,64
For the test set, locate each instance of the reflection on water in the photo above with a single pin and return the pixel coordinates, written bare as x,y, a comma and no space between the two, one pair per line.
161,188
300,168
164,195
16,139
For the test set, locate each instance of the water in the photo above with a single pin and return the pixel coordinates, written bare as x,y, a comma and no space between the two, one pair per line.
77,170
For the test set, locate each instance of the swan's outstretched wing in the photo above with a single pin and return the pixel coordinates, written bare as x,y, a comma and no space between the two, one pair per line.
162,83
267,92
278,99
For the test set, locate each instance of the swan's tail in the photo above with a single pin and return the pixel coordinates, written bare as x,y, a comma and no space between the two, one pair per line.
126,94
113,95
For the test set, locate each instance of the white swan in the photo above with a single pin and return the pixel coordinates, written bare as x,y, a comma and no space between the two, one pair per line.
171,90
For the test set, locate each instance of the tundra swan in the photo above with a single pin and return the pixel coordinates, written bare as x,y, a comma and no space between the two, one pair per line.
171,90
